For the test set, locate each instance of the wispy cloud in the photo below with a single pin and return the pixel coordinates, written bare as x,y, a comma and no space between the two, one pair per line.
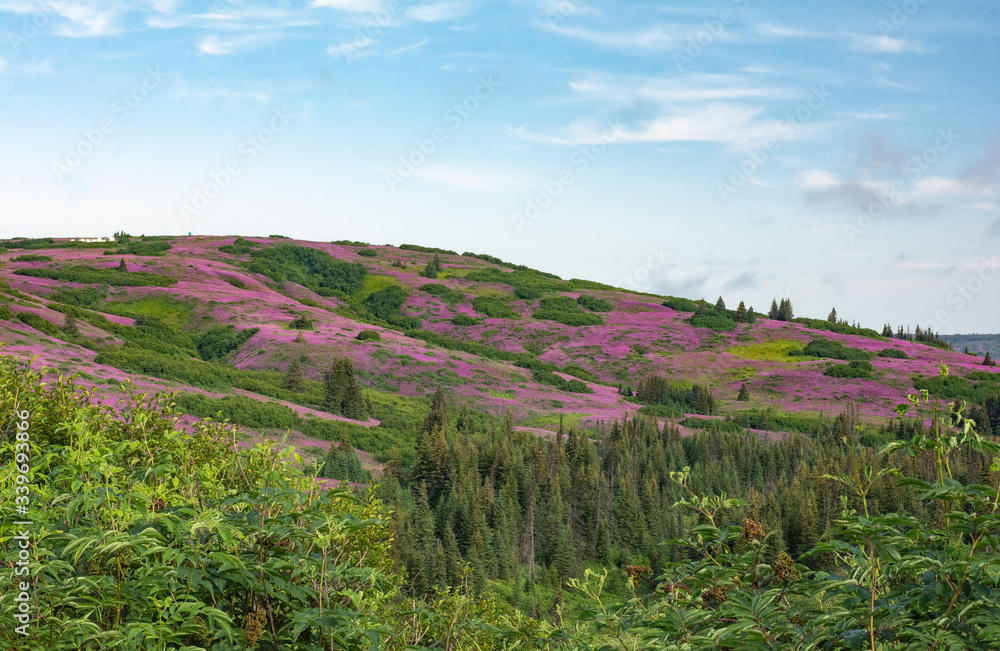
484,180
874,43
438,12
410,48
349,5
779,31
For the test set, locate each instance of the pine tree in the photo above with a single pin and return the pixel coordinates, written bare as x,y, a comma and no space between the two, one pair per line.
122,266
354,406
785,310
989,361
720,305
751,315
887,330
832,318
773,312
69,326
741,314
744,392
433,268
294,378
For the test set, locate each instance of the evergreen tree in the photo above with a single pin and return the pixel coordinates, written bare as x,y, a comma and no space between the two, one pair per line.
720,305
342,395
741,314
294,378
989,361
122,266
744,392
832,318
887,330
433,268
773,312
751,315
69,325
785,310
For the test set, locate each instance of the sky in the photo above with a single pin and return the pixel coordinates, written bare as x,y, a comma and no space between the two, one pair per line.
839,154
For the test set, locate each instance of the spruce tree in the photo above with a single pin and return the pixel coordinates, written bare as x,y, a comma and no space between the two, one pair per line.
832,318
294,379
122,266
69,326
720,305
744,392
751,315
785,310
988,361
741,314
773,312
433,268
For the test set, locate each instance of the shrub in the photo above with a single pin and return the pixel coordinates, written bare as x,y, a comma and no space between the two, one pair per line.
217,343
895,353
425,249
594,304
311,268
563,309
434,289
81,297
369,335
713,322
240,410
38,323
464,320
301,322
240,246
32,257
548,377
5,313
680,304
495,308
385,303
235,282
528,292
821,347
92,275
367,253
144,247
656,390
858,369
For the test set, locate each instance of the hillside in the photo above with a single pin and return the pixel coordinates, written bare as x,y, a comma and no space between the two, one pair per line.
979,344
474,330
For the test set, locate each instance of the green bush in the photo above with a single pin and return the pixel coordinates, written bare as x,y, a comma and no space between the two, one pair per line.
464,320
713,322
235,282
240,246
301,322
495,308
144,247
38,323
821,347
32,257
594,304
527,292
548,377
106,276
385,303
368,253
369,335
216,344
563,309
681,304
5,313
859,369
81,297
894,353
240,410
425,249
449,296
311,268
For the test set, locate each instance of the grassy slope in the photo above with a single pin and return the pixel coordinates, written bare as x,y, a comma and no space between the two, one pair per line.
639,336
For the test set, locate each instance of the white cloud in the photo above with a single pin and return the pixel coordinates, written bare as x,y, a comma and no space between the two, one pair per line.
884,44
653,38
349,5
409,48
779,31
438,12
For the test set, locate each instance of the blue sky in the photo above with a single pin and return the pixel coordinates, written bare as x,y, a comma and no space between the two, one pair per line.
841,154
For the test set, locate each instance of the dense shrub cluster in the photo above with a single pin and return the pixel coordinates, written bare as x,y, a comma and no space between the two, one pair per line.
495,308
240,246
894,353
426,249
821,347
216,344
858,369
463,320
311,268
96,275
32,257
563,309
594,304
369,335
